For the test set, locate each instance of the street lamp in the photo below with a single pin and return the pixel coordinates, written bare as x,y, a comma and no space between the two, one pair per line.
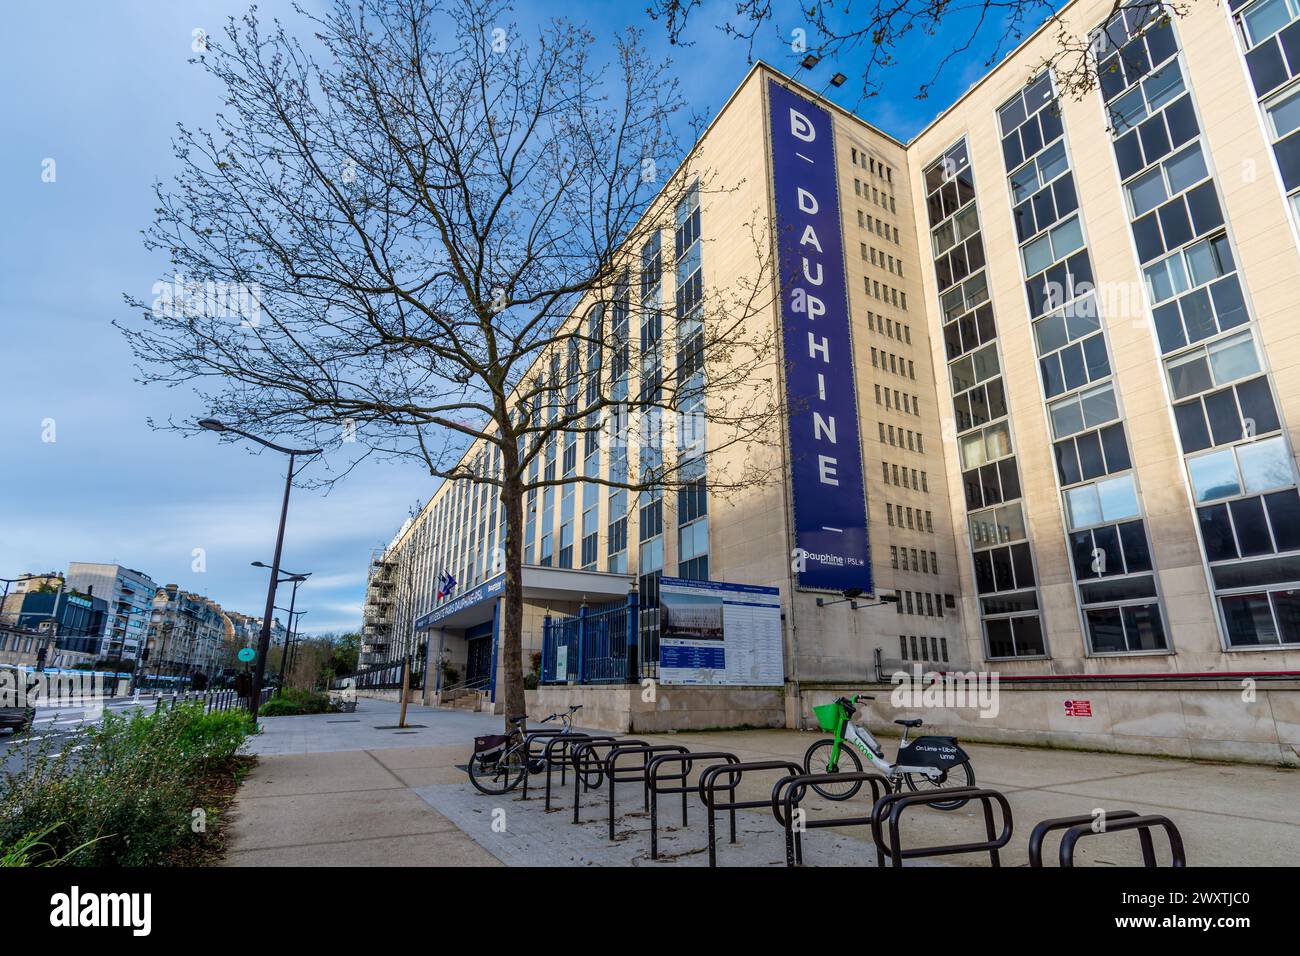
297,579
291,642
852,594
264,639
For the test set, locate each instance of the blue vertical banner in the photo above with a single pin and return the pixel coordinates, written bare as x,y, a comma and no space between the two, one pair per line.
827,486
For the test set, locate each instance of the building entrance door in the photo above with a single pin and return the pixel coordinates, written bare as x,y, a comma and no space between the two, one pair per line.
479,663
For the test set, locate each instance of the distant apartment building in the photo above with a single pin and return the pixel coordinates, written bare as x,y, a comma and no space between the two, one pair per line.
187,633
246,630
129,594
1066,340
43,613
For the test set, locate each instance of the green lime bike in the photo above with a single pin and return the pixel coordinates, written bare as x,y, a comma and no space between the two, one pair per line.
923,764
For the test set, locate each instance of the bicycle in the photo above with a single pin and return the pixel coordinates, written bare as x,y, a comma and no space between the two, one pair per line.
925,763
500,761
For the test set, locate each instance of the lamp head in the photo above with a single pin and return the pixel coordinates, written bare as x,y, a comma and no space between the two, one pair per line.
212,425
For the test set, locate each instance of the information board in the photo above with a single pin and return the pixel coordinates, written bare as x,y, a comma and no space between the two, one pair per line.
711,632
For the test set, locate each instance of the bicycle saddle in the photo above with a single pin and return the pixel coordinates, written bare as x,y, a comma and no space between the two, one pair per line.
913,722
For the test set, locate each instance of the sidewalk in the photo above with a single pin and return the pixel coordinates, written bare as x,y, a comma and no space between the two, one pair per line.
345,789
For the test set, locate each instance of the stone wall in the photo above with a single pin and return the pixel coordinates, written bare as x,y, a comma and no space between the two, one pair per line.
620,708
1207,721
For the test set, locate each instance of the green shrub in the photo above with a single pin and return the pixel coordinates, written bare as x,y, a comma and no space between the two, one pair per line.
121,793
294,701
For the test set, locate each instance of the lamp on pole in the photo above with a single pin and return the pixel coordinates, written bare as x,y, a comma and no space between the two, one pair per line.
291,642
852,594
264,639
297,579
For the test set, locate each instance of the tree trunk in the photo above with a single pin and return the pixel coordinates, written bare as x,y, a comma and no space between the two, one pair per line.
511,634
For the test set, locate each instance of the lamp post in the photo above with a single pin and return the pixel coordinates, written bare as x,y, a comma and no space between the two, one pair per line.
264,639
297,579
289,633
291,649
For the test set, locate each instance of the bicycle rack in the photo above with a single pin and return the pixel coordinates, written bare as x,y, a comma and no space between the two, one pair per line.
587,761
894,804
565,743
634,774
652,784
796,788
531,754
708,787
1041,830
1115,822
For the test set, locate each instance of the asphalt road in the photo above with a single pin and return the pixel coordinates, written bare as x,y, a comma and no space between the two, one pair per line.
57,724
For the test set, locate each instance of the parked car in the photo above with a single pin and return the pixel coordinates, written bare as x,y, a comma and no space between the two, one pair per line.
16,718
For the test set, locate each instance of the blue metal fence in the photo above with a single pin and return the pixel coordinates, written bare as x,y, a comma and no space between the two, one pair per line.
595,646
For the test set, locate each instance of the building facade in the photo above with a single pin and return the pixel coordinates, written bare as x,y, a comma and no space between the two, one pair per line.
1073,376
187,633
129,594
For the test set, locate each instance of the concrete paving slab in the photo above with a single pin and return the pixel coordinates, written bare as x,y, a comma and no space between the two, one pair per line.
439,848
410,758
314,773
523,833
328,817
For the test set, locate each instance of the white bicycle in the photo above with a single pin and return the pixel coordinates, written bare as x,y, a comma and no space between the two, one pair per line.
924,763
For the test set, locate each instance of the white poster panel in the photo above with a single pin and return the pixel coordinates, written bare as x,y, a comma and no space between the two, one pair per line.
711,632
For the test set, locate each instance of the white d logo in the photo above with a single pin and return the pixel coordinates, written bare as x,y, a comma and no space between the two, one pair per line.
801,128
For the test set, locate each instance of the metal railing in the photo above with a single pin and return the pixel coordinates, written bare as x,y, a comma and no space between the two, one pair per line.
594,646
212,700
382,677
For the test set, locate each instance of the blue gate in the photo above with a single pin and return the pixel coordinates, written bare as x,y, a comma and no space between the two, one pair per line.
595,646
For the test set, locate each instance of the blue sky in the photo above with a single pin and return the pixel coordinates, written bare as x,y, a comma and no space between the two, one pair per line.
98,88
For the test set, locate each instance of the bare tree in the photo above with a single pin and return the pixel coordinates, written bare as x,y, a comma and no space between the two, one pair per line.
440,224
878,31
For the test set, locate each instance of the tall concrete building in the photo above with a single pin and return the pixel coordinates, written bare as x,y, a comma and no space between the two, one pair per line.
129,594
1061,322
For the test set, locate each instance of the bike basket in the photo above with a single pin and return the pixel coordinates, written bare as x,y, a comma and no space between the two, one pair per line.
828,716
492,744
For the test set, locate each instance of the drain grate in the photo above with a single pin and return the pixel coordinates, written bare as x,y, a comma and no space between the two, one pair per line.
354,720
399,727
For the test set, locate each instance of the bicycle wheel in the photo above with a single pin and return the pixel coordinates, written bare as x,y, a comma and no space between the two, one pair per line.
959,776
500,776
818,759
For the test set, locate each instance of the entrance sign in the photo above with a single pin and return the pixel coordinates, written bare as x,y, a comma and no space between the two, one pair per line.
716,633
827,487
